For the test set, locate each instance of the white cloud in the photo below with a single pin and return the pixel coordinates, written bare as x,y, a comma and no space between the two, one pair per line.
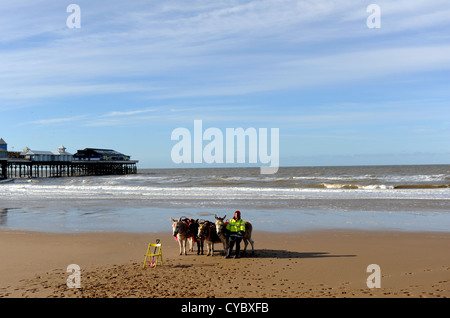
374,63
131,112
52,121
181,49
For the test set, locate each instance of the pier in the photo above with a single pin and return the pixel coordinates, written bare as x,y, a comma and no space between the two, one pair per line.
46,164
20,168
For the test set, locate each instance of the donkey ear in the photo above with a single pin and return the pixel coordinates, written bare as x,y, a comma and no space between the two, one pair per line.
224,216
172,219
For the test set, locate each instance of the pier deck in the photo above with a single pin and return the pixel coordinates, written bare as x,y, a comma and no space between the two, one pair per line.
21,168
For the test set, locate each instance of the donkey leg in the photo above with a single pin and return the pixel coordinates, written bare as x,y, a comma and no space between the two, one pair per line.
224,243
245,245
201,246
179,244
191,244
209,248
183,247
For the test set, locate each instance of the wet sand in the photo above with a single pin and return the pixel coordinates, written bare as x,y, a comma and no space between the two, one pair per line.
293,265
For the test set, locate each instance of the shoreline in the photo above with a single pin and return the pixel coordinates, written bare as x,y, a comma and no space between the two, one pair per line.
314,263
126,217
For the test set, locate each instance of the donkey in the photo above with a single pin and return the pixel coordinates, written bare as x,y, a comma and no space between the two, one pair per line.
222,232
207,231
193,226
184,230
180,230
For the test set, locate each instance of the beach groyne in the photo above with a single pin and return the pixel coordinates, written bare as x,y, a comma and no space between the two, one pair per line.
20,168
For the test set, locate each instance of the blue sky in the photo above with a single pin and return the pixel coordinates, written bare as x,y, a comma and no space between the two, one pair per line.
340,93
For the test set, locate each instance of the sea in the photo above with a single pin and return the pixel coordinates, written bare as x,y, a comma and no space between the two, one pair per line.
398,198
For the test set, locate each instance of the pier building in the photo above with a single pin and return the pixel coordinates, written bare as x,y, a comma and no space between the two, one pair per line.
87,162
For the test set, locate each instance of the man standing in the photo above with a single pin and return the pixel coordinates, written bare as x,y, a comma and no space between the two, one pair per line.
236,226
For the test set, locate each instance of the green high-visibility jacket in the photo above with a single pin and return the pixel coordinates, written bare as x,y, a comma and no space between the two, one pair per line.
236,226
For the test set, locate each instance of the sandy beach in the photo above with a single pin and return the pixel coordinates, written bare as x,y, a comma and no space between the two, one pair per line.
293,265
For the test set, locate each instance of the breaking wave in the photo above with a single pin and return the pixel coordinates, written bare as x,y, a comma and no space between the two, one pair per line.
224,185
383,186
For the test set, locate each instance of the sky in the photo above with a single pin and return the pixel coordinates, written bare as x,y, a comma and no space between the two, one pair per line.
339,92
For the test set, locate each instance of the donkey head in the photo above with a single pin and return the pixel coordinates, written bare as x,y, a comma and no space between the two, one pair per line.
202,229
177,226
174,226
220,224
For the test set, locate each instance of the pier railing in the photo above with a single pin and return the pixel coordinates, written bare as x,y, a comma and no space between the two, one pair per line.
19,168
